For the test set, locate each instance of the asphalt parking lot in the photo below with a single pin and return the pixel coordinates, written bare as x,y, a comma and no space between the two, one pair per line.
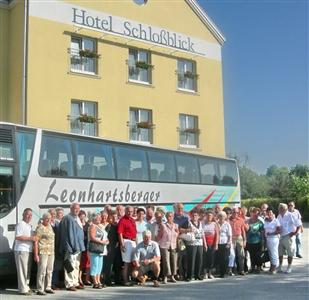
294,286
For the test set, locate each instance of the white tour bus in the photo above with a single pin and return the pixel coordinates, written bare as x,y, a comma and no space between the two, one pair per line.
42,169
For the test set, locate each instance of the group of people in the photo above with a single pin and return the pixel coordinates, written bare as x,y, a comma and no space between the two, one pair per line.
130,245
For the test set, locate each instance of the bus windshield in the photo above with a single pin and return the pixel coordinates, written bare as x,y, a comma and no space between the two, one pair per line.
25,144
15,160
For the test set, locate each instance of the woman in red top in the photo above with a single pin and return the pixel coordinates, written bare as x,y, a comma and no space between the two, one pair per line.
210,228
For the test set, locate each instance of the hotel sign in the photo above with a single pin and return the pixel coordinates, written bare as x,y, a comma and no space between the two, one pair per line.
60,11
132,29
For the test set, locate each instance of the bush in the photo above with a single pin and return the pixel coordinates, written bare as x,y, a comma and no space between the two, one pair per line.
257,202
301,204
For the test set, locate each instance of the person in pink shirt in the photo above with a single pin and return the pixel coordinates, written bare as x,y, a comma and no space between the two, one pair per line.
167,239
211,232
238,238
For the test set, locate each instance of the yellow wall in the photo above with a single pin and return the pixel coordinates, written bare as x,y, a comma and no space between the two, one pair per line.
51,87
4,37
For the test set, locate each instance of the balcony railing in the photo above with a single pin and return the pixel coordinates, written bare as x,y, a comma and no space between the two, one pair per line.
140,71
141,131
83,61
187,80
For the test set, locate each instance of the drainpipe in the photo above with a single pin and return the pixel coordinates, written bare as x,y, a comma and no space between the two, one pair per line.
25,64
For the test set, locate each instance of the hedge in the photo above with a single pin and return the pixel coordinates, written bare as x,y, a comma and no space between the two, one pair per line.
301,204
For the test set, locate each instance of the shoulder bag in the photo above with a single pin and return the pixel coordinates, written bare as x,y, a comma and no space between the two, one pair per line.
96,247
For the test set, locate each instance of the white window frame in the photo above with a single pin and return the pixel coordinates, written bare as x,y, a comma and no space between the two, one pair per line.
131,126
82,47
149,70
187,126
182,72
81,104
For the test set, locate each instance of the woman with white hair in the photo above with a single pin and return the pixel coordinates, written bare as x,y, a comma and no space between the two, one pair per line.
44,254
224,243
272,230
141,224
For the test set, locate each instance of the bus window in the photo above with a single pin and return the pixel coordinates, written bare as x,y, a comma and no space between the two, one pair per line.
162,166
228,173
187,169
56,157
209,172
131,163
94,160
6,151
6,190
6,144
25,144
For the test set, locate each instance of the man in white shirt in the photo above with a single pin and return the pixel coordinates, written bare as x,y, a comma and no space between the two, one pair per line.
297,215
289,228
24,238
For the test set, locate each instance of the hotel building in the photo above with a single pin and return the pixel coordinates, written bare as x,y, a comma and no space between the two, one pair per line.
138,71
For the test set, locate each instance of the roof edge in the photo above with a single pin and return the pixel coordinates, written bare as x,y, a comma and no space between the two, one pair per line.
207,21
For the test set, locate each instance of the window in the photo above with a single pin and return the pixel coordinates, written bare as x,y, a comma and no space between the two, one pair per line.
94,160
6,144
25,145
83,55
188,131
139,66
228,173
187,169
162,166
83,117
131,163
209,172
6,190
140,2
56,157
6,151
140,125
187,77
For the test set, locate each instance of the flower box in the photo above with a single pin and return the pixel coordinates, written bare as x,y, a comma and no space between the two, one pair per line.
145,125
88,53
191,75
143,65
84,118
191,130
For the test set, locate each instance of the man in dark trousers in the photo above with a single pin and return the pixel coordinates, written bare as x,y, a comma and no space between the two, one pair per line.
113,261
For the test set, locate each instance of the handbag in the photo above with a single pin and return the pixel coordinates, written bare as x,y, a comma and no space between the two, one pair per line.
264,256
188,237
95,247
180,245
68,265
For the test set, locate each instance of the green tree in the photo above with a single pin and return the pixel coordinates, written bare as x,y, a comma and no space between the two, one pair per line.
299,186
300,170
279,182
252,184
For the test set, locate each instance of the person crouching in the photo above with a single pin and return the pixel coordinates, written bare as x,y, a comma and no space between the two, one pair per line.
146,258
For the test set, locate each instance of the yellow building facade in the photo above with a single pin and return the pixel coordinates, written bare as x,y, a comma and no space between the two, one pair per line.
140,71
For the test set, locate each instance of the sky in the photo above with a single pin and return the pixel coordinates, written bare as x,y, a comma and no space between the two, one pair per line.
265,79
